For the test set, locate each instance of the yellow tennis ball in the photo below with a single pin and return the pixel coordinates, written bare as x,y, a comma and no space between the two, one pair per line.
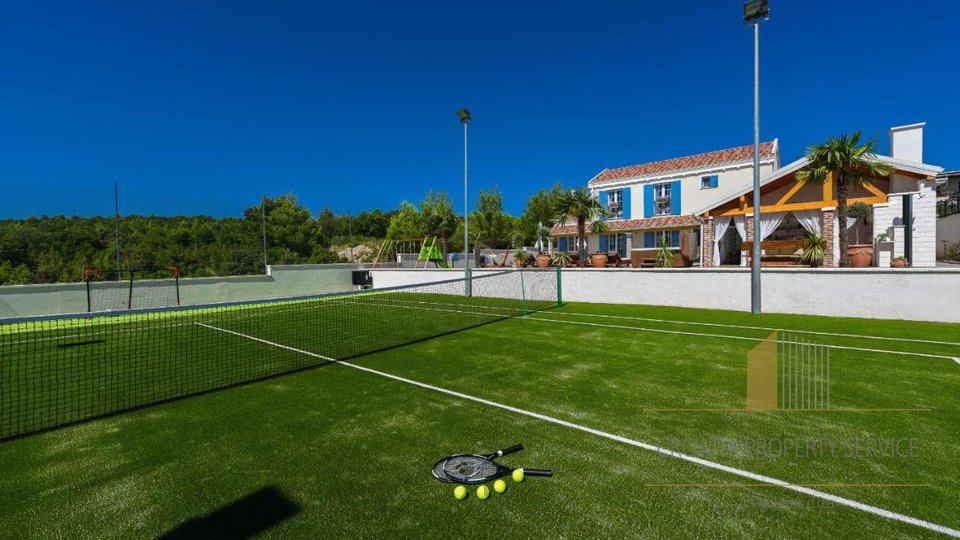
483,492
517,475
499,486
460,493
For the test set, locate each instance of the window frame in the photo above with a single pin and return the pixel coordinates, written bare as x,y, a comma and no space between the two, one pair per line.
667,189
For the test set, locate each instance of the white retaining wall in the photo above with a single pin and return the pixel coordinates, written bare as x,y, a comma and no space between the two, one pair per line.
927,294
283,280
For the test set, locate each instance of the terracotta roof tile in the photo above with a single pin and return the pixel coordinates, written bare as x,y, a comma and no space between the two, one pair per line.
662,222
698,161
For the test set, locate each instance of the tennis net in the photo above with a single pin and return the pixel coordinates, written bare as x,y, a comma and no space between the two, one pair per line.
57,371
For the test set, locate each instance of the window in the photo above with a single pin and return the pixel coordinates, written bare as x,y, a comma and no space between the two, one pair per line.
572,245
709,182
618,243
615,202
659,236
662,201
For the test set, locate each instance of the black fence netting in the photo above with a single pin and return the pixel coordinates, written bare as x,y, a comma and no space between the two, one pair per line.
57,371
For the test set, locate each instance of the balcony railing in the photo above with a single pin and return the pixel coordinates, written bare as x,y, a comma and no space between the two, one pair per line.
949,206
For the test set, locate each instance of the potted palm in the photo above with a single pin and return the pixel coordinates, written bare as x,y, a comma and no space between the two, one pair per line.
812,250
543,259
579,205
599,259
665,255
861,255
560,258
519,258
900,262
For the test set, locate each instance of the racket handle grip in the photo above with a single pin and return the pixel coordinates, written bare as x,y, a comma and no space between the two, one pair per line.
537,472
511,450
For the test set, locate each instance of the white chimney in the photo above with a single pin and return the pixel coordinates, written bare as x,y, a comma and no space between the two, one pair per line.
906,142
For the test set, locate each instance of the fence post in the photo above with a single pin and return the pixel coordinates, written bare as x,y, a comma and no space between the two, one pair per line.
559,288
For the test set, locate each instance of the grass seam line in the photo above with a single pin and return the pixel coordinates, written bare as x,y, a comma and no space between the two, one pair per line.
894,516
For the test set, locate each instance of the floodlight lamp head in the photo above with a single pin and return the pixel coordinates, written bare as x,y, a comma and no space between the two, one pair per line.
756,10
464,116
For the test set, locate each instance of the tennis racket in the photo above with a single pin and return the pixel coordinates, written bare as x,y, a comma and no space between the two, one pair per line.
478,468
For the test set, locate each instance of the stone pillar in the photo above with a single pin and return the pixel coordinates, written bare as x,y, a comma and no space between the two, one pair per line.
708,244
829,235
629,242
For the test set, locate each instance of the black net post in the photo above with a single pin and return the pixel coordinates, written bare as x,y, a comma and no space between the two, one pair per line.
130,292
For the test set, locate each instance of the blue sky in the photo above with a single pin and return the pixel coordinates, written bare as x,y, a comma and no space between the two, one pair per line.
202,106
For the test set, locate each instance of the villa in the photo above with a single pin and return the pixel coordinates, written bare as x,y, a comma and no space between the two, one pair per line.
702,206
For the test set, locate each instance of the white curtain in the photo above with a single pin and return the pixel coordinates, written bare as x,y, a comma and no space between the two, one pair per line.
810,220
851,222
741,223
769,223
720,227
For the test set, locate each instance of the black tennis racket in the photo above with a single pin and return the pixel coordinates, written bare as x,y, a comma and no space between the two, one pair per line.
478,468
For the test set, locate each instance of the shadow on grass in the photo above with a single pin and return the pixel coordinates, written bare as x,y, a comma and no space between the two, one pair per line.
245,517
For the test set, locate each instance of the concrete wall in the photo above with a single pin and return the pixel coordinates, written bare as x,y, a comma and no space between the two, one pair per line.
948,230
284,280
881,293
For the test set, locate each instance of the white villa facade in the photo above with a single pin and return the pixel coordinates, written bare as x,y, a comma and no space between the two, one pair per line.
658,199
702,205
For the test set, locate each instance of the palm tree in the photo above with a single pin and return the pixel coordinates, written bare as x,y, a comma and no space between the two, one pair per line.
851,164
581,206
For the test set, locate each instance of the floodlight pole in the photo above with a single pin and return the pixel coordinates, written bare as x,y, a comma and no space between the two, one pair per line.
468,289
755,267
263,232
754,12
116,223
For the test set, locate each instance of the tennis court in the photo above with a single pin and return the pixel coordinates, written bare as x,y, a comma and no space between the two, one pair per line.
321,416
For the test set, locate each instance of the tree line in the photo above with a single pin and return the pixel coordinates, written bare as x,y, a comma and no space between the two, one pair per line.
53,249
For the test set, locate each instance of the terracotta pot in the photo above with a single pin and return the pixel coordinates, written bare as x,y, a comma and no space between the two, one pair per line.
861,255
599,260
543,260
520,263
899,263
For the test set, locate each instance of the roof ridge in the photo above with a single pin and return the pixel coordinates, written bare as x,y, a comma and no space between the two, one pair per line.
692,161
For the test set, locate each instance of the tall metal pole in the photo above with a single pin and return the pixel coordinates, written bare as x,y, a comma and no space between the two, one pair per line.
116,223
466,218
755,267
263,231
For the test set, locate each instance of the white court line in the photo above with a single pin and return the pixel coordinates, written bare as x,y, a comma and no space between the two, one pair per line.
97,333
717,325
722,336
677,332
619,438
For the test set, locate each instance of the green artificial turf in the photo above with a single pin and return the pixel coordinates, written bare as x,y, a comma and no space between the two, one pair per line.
352,450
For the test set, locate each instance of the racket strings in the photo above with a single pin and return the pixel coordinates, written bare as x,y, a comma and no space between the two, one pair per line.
469,468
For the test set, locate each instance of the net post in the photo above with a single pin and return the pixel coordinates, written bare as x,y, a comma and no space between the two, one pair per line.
559,288
130,292
86,279
176,281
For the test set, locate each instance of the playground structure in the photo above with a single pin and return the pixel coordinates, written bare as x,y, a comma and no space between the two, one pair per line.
397,253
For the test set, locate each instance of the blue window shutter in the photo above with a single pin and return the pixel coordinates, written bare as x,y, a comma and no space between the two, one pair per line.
675,198
604,200
648,200
604,243
622,245
625,202
562,243
675,239
648,240
714,181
